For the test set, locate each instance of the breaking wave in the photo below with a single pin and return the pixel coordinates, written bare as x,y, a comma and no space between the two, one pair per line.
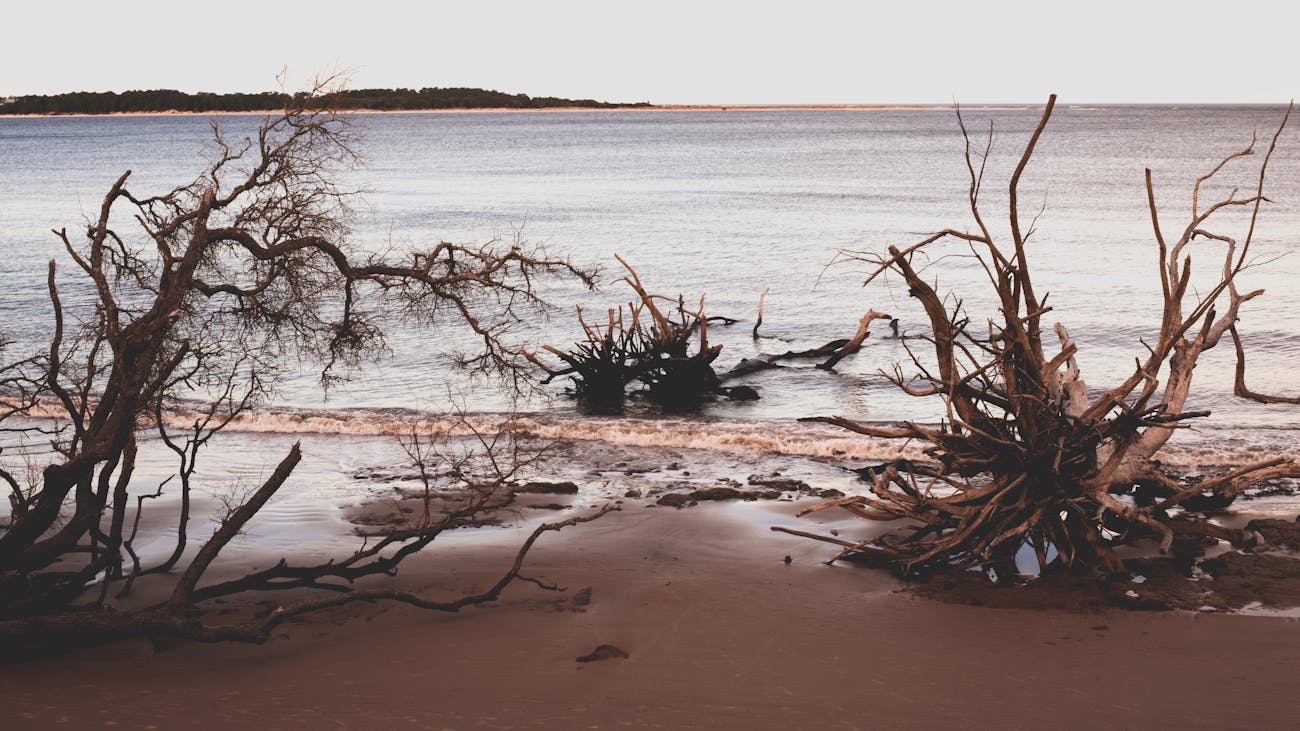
1190,450
785,437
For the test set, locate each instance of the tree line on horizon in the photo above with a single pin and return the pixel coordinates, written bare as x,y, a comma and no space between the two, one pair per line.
165,100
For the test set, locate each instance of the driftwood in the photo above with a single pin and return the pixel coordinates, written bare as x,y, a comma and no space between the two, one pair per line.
167,620
665,350
1239,381
646,344
208,289
855,343
833,352
1026,459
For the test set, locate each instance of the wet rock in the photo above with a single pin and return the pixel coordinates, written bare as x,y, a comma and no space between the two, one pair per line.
604,652
787,484
1277,532
682,499
784,484
739,393
1242,579
731,493
548,488
902,465
674,500
633,493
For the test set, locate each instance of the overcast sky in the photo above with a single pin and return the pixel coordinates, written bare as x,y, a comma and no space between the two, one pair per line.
670,52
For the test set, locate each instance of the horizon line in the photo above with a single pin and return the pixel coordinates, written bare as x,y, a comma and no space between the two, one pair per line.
714,104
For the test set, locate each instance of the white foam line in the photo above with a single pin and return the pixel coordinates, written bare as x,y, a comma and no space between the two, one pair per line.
735,437
732,437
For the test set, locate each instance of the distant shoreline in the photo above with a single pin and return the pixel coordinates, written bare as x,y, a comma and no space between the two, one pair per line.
544,110
1006,107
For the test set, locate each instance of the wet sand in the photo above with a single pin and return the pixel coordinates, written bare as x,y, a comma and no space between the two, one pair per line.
720,632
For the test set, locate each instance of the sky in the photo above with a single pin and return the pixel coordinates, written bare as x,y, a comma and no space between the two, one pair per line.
669,52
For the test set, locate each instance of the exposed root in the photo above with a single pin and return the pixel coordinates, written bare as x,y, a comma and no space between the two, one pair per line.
1024,460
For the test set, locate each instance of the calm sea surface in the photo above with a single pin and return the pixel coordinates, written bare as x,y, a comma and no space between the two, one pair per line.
725,204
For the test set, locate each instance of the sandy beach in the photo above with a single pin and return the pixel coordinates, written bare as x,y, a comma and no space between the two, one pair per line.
719,631
562,366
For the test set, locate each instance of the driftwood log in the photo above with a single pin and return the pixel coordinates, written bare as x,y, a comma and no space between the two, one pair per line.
832,352
666,351
1027,458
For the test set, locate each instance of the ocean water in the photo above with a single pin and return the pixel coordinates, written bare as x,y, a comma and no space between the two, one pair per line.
725,204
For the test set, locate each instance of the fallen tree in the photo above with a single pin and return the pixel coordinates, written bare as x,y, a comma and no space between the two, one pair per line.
190,302
830,354
660,344
1026,456
655,341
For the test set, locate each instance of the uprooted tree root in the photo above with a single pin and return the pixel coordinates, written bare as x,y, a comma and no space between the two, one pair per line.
664,349
1025,458
650,344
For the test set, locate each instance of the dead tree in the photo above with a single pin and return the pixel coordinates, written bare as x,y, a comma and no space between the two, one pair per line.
200,294
1026,456
652,345
656,341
